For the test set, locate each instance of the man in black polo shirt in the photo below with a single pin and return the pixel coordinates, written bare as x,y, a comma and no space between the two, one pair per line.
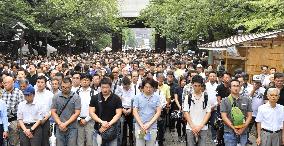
223,90
111,110
279,84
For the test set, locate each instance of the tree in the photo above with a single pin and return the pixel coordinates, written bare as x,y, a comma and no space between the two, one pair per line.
56,18
183,20
128,37
262,15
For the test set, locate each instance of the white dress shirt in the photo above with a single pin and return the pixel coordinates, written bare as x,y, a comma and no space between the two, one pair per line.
211,91
29,113
85,102
44,99
270,118
127,97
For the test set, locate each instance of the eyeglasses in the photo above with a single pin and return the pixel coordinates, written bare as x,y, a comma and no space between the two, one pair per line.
115,72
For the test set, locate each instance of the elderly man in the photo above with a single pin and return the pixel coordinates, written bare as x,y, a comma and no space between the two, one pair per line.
270,120
29,117
12,97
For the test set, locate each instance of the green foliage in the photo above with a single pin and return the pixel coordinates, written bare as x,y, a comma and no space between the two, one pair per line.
262,15
84,19
102,42
128,37
212,19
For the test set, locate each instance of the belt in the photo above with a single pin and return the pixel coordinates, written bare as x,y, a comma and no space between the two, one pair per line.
83,117
29,124
12,119
271,131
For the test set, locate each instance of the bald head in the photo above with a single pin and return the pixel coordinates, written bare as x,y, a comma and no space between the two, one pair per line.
8,83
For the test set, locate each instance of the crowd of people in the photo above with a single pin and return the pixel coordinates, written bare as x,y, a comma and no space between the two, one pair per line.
120,99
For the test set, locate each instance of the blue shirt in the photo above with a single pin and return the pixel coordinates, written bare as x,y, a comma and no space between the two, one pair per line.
147,107
3,115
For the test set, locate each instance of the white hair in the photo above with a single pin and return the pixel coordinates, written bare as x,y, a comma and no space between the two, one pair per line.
271,90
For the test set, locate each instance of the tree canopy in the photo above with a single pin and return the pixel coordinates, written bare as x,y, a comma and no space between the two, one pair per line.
212,19
84,19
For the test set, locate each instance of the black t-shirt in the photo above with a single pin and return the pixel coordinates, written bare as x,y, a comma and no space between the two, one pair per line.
173,87
222,91
281,98
32,79
178,91
108,107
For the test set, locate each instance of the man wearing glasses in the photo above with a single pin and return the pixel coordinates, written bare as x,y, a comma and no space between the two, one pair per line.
234,131
279,83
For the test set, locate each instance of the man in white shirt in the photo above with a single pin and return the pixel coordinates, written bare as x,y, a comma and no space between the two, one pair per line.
270,121
85,124
211,87
197,113
127,97
135,83
75,81
44,98
257,96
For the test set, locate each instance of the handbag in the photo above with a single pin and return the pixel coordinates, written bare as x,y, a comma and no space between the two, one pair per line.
111,133
176,115
52,138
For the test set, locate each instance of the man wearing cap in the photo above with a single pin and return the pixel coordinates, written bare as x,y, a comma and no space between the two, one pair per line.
29,117
200,70
256,95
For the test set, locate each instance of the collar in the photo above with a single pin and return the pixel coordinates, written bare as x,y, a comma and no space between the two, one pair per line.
201,98
88,89
33,103
40,92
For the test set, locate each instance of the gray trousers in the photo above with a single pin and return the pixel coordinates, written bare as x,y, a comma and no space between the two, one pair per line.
45,133
191,139
34,141
270,139
85,133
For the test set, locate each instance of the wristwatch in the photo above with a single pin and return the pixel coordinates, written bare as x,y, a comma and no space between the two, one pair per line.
31,130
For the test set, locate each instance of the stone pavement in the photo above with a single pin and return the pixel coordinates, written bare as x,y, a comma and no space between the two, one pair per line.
172,139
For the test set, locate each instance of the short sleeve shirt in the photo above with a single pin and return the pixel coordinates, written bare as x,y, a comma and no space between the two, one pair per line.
109,106
244,103
59,101
222,91
147,107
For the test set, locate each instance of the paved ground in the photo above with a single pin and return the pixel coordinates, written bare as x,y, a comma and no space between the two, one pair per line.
172,139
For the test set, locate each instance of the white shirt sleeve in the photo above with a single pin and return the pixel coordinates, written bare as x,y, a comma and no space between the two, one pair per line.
185,104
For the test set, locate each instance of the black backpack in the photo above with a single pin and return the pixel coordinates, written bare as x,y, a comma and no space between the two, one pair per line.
204,102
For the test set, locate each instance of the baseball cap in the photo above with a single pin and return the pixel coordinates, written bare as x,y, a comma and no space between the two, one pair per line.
199,65
30,90
256,78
